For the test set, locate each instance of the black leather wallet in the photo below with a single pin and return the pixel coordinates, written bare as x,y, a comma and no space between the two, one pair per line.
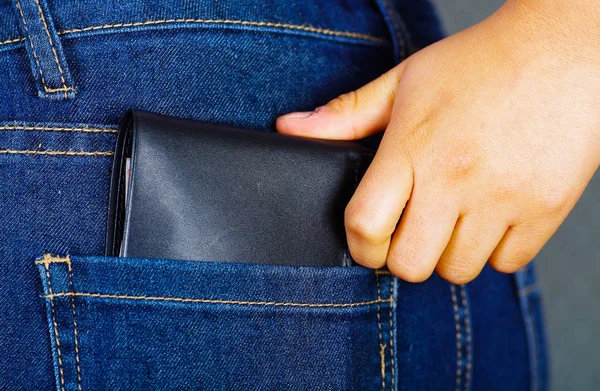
205,191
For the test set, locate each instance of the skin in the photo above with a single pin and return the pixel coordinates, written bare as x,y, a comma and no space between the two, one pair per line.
490,137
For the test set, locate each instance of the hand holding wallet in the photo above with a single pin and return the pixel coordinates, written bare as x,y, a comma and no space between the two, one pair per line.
212,192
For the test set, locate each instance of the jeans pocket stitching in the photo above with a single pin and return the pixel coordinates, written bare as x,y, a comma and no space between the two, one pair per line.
54,153
381,344
392,352
55,327
283,26
75,333
464,341
216,301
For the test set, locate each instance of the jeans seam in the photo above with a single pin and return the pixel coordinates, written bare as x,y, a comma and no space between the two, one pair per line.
381,344
284,26
458,338
55,327
59,129
12,40
55,153
401,42
527,290
64,88
392,352
35,57
217,301
530,329
468,338
534,350
75,333
60,71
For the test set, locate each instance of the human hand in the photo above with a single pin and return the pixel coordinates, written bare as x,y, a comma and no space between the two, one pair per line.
491,135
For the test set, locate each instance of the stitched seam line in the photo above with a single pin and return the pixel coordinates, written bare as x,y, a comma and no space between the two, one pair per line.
381,344
12,40
48,259
468,337
60,367
289,26
534,350
60,71
392,333
397,33
56,153
529,289
217,301
75,334
458,338
58,129
18,4
529,330
35,57
311,29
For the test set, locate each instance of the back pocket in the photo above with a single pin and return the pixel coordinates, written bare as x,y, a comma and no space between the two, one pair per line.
124,323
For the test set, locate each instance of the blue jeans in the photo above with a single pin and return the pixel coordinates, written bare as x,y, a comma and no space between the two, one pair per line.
76,320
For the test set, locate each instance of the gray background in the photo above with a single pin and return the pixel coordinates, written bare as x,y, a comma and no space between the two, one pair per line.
568,266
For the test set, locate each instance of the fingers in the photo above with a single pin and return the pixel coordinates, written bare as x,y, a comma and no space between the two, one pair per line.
373,212
519,245
421,237
473,241
351,116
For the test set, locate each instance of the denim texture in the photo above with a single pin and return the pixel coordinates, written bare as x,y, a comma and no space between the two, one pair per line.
76,320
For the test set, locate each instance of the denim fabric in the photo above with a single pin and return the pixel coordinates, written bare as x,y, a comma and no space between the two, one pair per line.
76,320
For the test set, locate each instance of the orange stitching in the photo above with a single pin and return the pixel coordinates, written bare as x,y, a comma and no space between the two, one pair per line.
58,129
382,347
458,338
381,344
60,71
468,337
311,29
13,40
60,368
56,153
47,89
18,4
75,334
35,57
48,259
217,301
392,332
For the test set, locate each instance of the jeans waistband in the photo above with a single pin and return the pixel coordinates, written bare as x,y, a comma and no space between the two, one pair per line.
356,19
40,26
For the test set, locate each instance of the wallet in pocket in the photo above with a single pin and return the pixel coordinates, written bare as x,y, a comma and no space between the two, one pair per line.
213,192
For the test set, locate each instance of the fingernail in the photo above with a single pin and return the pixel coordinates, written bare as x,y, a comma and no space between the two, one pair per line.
302,114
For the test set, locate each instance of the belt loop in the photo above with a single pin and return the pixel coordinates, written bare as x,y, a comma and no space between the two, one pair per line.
52,77
399,33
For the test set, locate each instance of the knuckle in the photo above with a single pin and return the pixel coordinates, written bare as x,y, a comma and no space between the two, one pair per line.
363,227
456,273
459,161
553,199
405,271
506,266
408,265
345,102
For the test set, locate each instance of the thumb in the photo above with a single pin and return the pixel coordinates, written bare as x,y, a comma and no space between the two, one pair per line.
351,116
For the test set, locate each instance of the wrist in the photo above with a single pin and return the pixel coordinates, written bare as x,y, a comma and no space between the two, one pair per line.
566,29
